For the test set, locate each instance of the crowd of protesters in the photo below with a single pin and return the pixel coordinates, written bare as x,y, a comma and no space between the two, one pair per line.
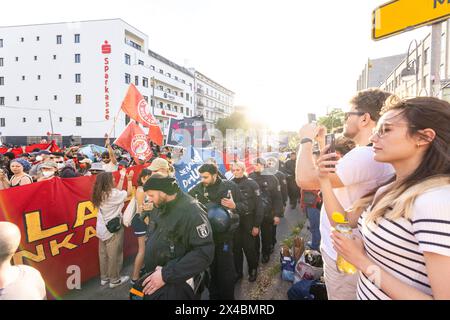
389,176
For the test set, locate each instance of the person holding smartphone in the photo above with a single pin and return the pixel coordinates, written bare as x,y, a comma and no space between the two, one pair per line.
356,174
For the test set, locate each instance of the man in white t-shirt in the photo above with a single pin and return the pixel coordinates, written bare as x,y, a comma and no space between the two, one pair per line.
357,174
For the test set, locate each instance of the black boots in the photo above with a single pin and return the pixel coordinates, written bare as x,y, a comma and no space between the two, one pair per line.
252,275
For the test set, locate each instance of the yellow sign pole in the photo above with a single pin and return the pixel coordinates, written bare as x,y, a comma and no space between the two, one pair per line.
403,15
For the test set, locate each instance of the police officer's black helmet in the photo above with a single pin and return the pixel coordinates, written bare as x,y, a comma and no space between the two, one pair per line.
219,219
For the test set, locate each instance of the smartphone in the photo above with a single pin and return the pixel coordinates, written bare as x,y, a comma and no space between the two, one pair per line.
330,140
311,117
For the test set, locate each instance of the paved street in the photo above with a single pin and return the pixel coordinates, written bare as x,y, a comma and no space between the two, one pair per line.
267,287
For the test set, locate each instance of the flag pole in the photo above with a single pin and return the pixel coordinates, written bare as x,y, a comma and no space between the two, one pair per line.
114,122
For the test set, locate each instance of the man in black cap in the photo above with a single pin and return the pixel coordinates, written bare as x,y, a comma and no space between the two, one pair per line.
293,189
272,203
180,247
212,190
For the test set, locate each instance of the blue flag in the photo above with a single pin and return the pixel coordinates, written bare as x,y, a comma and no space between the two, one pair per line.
186,169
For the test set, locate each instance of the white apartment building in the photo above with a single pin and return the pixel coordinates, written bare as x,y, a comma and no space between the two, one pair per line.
213,101
69,79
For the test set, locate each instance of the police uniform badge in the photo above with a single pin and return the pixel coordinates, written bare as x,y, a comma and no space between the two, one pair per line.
203,231
258,192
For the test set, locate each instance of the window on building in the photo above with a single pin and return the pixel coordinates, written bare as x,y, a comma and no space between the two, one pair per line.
127,78
182,109
17,98
161,88
140,62
24,120
136,80
77,38
78,78
169,107
169,75
78,98
187,111
183,81
54,57
39,119
161,105
169,91
1,43
77,58
36,98
78,121
55,97
2,81
127,119
182,94
39,77
38,38
23,77
145,82
161,71
146,98
2,101
58,39
127,59
35,58
175,108
152,67
152,102
60,119
17,59
22,39
187,96
2,122
1,62
426,56
59,76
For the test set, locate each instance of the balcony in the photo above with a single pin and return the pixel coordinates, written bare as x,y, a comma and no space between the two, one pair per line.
159,94
134,45
169,81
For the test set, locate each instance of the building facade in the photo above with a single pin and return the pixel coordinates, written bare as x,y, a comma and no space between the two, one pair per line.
69,80
420,81
213,101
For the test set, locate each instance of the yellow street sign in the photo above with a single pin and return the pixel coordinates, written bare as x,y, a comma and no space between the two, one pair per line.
403,15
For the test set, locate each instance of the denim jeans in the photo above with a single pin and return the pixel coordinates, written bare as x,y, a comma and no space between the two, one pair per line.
313,215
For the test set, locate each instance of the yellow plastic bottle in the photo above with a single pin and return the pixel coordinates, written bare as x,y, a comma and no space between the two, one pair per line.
344,228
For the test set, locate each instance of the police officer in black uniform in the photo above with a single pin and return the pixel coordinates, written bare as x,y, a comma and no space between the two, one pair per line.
213,191
273,167
293,189
247,235
272,203
180,246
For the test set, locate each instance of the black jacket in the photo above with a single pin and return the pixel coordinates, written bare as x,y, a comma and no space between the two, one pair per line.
269,185
289,168
283,185
181,242
252,194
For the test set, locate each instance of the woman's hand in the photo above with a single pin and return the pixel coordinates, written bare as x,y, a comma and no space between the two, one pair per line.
326,163
130,175
352,250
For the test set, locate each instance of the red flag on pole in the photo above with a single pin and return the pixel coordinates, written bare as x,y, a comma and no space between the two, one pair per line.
135,106
134,140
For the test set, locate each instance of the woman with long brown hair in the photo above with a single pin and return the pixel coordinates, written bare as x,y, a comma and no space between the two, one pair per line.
405,225
109,200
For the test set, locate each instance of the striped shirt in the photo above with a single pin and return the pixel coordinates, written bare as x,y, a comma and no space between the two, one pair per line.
397,246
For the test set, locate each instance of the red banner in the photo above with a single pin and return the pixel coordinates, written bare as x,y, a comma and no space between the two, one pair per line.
52,147
57,222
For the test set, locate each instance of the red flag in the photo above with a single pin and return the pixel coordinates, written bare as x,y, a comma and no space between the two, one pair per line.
134,140
135,106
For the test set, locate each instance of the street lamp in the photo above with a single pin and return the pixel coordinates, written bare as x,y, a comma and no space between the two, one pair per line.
412,70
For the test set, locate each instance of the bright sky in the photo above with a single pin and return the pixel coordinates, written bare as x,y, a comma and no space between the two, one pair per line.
283,58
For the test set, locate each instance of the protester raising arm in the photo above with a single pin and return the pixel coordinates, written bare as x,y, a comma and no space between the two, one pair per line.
112,156
129,176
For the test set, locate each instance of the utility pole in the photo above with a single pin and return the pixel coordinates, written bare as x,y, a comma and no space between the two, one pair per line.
435,79
51,122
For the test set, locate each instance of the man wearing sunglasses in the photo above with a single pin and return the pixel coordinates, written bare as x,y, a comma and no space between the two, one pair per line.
356,174
109,160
